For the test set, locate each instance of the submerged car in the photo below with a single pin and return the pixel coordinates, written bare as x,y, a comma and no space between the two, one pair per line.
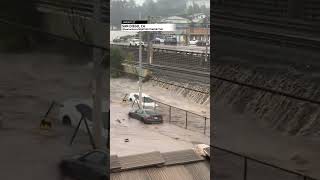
147,101
146,116
91,165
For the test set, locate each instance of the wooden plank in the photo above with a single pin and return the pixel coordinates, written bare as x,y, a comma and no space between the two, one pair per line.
114,163
181,157
141,160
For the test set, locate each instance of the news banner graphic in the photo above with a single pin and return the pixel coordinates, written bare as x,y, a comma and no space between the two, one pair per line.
142,25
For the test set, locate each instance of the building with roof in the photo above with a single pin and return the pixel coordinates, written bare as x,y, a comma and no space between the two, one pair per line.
181,25
198,17
198,33
184,164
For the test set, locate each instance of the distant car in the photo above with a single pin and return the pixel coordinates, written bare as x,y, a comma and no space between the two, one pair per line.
135,42
116,40
91,165
147,101
159,40
171,41
156,41
193,42
146,116
202,43
69,114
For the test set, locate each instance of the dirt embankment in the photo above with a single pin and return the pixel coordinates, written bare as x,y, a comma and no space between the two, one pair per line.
291,116
191,89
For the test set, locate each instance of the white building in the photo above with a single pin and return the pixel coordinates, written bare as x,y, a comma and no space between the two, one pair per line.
198,17
181,25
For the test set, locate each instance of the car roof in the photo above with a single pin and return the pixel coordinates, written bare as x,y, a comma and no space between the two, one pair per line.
143,95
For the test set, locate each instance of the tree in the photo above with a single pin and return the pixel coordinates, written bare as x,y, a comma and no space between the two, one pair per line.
116,59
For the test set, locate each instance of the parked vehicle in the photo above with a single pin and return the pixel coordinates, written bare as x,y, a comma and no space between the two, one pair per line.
193,42
146,116
116,40
135,42
202,43
91,165
69,114
170,41
147,101
160,39
156,41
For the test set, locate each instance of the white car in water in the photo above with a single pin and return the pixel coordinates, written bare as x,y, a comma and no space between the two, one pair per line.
69,114
147,101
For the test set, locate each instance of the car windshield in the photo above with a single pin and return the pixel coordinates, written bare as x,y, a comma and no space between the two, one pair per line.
150,112
147,100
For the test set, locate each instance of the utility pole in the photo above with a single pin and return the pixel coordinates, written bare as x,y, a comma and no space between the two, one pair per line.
140,66
150,37
207,38
97,82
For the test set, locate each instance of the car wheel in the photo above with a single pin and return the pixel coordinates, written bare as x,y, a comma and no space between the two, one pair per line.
142,119
66,121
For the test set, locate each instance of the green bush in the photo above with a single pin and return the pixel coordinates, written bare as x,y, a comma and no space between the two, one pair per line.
116,59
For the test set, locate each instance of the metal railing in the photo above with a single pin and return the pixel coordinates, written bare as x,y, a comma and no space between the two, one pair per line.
245,163
184,118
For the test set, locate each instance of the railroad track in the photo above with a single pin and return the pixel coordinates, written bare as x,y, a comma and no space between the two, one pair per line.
184,61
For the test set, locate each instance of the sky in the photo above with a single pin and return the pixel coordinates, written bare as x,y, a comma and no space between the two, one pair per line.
139,2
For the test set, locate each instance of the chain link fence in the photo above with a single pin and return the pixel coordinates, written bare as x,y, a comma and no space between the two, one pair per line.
184,118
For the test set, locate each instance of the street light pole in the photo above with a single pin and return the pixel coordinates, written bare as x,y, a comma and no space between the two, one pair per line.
140,66
207,39
150,37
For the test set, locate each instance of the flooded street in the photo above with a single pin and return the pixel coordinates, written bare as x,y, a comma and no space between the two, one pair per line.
145,138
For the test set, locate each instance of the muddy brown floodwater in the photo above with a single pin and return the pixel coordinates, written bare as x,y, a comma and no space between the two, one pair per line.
28,83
